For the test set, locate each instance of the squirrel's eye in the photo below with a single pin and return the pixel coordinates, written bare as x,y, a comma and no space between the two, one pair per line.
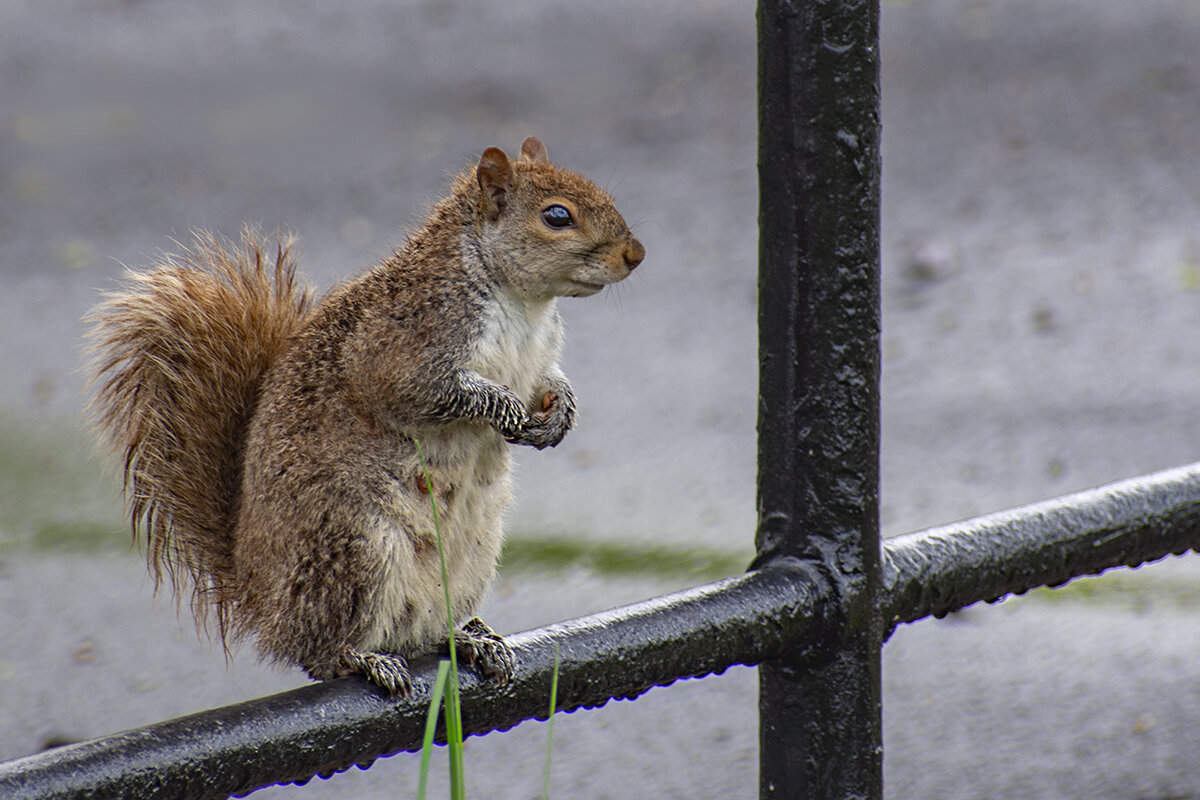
557,216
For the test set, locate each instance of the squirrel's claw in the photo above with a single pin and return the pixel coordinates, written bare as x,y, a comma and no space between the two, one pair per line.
386,670
483,648
538,433
547,426
511,419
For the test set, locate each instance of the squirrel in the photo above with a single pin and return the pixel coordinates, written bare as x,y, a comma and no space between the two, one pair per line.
270,440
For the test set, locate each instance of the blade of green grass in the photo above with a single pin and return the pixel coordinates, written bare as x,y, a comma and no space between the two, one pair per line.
550,726
435,703
454,736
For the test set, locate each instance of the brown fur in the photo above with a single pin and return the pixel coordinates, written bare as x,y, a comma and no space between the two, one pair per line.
270,449
181,355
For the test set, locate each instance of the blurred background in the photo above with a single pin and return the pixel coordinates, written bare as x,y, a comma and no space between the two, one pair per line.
1041,285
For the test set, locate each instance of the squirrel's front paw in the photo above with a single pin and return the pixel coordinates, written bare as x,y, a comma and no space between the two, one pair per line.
547,426
510,417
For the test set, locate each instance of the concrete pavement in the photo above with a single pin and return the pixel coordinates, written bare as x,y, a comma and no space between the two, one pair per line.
1041,288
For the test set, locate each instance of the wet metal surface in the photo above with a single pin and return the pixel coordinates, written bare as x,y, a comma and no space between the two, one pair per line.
328,727
943,569
818,409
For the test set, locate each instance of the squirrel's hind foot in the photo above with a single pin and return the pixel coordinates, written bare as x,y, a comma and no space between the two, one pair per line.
386,670
486,650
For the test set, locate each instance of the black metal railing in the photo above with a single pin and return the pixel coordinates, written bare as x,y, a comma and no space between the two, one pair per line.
820,718
823,593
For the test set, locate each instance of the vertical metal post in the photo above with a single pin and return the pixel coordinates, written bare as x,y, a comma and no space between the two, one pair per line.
818,422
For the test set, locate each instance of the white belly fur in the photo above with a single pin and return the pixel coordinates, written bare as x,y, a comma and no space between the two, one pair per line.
469,465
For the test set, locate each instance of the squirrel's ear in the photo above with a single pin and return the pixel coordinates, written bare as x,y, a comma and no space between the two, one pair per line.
534,150
495,176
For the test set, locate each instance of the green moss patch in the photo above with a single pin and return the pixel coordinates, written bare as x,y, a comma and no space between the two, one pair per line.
1139,589
532,553
53,491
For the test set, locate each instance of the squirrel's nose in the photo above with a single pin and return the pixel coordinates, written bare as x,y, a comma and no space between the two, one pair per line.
634,253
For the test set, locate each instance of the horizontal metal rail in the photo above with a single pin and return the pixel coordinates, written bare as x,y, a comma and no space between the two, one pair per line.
328,727
1127,523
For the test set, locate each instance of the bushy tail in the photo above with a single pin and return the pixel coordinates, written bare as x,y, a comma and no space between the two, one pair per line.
180,355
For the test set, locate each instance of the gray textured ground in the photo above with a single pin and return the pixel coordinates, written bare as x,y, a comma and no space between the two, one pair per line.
1041,286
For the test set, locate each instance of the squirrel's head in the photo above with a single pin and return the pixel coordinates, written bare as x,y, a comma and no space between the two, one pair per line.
551,232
